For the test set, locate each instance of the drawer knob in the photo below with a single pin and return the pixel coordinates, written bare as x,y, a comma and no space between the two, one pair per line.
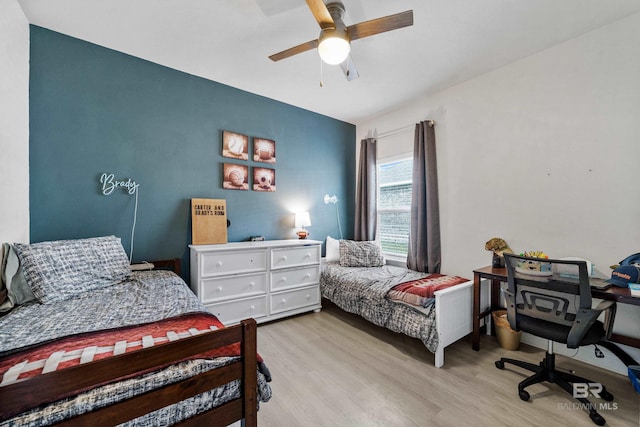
308,255
219,264
284,301
284,257
307,276
308,296
252,309
252,285
219,289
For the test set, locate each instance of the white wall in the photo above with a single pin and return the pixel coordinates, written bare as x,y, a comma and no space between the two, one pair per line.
544,152
14,123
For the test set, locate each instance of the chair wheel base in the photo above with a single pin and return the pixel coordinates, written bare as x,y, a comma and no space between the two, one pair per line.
500,364
524,395
597,418
606,395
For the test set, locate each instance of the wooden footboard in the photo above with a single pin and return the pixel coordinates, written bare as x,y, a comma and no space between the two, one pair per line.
453,316
47,388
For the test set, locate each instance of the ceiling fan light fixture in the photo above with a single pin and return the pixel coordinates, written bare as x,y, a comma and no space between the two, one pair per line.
333,46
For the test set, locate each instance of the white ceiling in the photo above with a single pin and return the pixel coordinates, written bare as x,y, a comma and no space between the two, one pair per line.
228,41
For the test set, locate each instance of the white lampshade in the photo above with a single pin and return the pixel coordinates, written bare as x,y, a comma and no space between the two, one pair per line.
334,47
302,219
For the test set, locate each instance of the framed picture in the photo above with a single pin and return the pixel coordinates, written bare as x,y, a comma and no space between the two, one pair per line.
264,179
264,150
235,177
235,145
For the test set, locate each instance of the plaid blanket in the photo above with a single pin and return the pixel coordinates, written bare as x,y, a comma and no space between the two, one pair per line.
420,292
82,348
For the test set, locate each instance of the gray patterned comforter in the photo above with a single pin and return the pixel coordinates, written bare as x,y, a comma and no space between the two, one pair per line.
363,290
147,297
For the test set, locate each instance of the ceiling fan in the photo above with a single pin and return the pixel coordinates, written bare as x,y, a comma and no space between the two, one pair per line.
334,42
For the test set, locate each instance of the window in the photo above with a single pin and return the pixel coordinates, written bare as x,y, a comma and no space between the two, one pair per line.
394,205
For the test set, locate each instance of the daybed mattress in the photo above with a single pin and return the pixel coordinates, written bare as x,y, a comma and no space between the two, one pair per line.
149,296
363,291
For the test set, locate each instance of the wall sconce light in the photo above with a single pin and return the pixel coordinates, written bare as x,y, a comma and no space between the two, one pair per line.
302,220
330,199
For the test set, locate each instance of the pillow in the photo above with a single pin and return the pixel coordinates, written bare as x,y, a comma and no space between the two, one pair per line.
62,269
332,250
13,286
360,254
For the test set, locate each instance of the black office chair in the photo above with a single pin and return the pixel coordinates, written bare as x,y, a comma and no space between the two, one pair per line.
552,299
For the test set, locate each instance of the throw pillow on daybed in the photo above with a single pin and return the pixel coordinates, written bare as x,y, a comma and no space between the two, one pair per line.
13,286
332,253
360,254
61,269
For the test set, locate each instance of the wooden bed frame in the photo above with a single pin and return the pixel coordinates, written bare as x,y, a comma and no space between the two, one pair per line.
47,388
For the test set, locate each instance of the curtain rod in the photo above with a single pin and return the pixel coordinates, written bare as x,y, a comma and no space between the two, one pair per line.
395,131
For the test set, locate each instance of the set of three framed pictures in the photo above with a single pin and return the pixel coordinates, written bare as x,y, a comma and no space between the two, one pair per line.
236,176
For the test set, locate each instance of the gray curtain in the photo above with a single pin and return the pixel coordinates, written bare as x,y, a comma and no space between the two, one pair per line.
366,192
424,239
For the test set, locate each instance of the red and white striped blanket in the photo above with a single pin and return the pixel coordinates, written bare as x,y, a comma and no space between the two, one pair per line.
419,292
86,347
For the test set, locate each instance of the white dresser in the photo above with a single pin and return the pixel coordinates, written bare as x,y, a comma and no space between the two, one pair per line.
263,280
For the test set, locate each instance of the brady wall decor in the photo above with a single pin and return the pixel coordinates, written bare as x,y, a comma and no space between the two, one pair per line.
94,110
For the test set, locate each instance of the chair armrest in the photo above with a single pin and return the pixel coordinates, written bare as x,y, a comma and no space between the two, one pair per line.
585,318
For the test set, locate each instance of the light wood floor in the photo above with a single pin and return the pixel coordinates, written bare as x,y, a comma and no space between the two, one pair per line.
334,369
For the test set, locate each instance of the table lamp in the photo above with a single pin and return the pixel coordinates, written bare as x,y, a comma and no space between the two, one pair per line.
302,220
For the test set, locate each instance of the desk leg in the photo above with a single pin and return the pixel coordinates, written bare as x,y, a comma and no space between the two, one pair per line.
495,301
475,340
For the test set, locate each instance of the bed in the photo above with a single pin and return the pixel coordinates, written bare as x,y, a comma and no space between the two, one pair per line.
99,344
433,308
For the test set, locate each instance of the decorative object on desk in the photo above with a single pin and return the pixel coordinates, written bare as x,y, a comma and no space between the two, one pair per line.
264,150
235,177
634,376
235,145
498,246
625,275
302,220
507,337
630,260
534,267
208,221
563,271
264,179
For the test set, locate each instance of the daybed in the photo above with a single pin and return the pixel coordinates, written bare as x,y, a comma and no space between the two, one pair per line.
433,308
101,345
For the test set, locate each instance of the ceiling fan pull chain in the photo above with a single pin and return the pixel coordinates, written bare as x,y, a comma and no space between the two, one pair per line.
321,85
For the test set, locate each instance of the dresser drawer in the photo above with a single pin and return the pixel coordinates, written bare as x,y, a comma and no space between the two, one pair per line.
293,257
232,262
234,311
296,277
221,288
290,300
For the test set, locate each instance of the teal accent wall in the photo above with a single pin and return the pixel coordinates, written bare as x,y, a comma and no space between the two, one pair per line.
95,110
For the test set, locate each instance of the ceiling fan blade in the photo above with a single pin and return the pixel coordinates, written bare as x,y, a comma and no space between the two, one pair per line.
349,69
294,50
380,25
321,13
